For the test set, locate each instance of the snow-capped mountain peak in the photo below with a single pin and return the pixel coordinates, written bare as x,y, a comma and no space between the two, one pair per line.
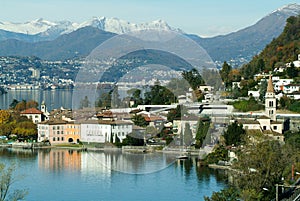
290,9
31,28
119,26
54,29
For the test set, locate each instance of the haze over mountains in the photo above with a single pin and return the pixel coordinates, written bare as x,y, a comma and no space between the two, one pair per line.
65,39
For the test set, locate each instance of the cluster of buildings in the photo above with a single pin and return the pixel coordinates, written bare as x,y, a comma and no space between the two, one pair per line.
60,126
266,123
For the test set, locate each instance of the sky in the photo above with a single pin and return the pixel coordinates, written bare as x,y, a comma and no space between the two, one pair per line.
202,17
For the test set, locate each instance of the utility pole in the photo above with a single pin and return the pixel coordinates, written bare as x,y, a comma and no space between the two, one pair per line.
277,192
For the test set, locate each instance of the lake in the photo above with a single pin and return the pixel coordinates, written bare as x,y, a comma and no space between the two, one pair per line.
61,174
53,98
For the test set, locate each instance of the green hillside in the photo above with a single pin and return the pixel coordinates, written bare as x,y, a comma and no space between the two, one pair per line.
283,49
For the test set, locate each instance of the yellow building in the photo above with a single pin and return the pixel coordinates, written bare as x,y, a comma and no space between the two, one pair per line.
72,132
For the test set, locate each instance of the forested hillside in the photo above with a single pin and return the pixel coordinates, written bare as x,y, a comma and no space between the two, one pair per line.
281,50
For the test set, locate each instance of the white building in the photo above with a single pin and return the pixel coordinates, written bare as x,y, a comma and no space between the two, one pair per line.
281,83
94,131
101,131
52,131
179,125
291,88
34,114
267,123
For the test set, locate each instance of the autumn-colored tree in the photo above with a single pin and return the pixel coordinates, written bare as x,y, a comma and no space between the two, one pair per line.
4,116
31,104
21,106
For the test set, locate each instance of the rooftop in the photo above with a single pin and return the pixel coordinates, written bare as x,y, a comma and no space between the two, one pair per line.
31,111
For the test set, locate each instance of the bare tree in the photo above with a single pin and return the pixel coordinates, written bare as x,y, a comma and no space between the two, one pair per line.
7,179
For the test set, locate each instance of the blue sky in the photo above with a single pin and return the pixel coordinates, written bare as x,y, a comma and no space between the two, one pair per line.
202,17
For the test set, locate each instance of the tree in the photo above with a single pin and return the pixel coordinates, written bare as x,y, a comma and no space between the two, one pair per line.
4,116
84,103
104,100
234,133
135,94
227,194
292,71
202,130
139,120
188,136
260,65
21,106
178,86
31,104
13,104
115,97
260,166
159,95
6,181
263,89
285,102
193,77
226,68
129,140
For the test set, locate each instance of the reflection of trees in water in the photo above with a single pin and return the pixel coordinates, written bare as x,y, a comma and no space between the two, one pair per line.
204,174
18,153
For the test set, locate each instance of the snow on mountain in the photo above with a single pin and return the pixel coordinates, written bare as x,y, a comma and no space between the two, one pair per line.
290,9
118,26
31,28
49,29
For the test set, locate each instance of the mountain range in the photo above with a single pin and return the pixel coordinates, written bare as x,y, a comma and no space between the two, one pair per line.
65,39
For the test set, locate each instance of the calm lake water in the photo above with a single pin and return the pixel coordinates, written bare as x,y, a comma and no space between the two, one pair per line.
59,174
53,98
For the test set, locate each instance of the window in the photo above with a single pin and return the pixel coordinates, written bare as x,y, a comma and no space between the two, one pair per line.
54,139
62,132
264,128
275,127
57,132
58,139
62,139
270,103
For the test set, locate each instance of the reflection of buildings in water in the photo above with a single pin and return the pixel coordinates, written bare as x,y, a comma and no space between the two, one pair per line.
94,162
59,159
102,162
106,162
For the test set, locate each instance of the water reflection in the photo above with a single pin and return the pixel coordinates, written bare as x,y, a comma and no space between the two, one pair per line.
88,175
59,159
53,98
9,153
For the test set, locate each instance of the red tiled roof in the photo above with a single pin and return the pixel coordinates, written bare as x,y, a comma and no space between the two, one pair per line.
32,111
152,118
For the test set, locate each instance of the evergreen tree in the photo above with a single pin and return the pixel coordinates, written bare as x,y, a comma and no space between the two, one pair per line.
193,77
263,89
226,68
84,103
188,136
234,133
